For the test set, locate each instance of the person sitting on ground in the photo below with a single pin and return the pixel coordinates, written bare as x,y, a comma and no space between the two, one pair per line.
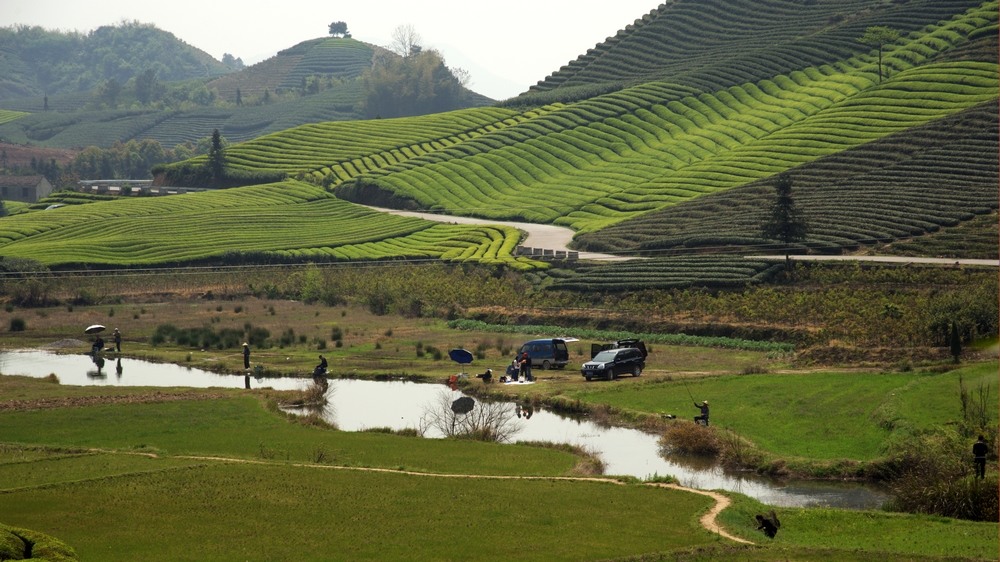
704,412
487,376
769,525
513,369
98,346
320,369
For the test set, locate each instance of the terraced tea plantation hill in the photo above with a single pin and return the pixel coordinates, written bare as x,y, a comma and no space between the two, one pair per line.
288,222
709,45
338,151
741,91
610,158
329,57
906,185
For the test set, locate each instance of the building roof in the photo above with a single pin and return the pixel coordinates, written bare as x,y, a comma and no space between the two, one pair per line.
21,181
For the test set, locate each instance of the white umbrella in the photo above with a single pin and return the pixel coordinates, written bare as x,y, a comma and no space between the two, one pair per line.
93,329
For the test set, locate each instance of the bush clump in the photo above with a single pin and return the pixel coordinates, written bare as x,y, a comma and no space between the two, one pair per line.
691,439
934,475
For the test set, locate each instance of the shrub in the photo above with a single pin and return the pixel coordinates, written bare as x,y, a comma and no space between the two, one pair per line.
935,477
691,439
17,324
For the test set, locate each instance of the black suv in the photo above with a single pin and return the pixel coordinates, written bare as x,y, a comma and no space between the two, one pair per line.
613,362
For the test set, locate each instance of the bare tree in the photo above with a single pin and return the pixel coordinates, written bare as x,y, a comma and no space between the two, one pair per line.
487,421
405,41
462,75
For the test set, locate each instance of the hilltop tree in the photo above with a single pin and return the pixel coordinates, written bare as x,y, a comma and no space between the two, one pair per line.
339,29
785,223
415,85
878,36
405,41
232,62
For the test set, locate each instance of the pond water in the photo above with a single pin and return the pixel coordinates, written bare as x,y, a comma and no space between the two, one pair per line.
355,405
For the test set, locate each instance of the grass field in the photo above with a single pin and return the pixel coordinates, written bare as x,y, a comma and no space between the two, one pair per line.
132,482
231,511
824,416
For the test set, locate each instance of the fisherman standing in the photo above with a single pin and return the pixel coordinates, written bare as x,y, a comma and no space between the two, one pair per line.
979,451
704,412
246,355
118,341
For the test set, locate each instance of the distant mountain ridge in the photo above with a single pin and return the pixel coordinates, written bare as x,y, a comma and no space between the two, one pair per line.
38,62
316,80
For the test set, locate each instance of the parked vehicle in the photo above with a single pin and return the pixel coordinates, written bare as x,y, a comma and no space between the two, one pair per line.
550,353
610,363
596,348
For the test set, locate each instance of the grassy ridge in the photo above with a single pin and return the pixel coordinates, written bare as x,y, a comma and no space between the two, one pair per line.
282,220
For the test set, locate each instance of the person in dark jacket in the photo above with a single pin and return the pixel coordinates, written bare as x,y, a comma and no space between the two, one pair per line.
321,368
769,524
979,451
525,365
246,355
704,412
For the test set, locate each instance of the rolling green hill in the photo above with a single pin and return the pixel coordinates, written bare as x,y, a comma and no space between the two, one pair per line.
708,45
679,156
908,184
38,62
275,223
314,81
616,156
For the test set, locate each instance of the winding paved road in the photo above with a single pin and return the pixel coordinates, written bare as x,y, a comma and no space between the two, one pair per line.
557,238
548,236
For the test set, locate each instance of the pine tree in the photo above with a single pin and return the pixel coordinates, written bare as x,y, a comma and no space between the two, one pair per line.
785,223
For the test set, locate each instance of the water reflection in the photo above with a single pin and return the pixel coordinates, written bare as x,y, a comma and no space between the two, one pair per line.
88,370
354,405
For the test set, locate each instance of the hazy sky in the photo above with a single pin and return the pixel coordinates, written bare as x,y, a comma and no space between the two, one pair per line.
506,46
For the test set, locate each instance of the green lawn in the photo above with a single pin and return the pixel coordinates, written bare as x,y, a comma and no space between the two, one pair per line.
222,511
822,416
240,427
872,534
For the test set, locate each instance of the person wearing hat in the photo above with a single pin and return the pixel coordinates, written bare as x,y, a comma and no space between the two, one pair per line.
118,341
704,412
246,355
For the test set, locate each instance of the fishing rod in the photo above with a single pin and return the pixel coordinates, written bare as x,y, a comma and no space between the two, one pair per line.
688,391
